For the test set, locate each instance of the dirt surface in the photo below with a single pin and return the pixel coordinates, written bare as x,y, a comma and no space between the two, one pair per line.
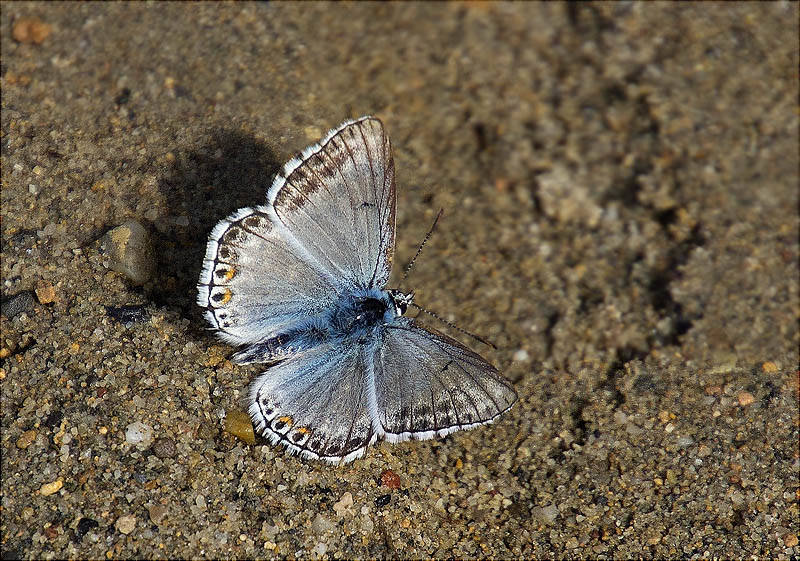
620,185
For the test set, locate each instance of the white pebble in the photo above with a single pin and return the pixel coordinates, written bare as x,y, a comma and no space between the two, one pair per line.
126,524
321,524
521,356
138,433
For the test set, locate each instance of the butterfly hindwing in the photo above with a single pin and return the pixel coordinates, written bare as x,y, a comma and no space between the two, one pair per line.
428,384
316,403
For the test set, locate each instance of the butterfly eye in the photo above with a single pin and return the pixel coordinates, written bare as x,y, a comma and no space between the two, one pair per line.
400,301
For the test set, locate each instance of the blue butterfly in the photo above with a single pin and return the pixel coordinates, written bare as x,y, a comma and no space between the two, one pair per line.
299,282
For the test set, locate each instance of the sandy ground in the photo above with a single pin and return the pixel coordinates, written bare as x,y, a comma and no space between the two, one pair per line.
620,185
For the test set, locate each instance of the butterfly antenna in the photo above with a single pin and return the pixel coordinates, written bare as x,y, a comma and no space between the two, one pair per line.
424,241
454,326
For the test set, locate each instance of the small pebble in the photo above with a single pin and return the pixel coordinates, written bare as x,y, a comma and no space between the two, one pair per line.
130,251
45,292
26,439
390,479
545,515
126,524
17,304
521,356
790,540
128,315
54,419
383,500
239,425
216,354
31,31
671,477
321,524
123,97
550,512
745,398
344,504
51,532
157,513
138,433
50,488
164,448
85,525
769,367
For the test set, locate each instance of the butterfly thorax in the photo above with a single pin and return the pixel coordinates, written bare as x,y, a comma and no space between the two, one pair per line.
358,314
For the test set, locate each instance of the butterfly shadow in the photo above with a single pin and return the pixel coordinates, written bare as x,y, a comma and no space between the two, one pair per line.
232,170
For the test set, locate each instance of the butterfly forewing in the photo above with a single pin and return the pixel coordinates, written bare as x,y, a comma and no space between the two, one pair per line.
428,384
254,284
328,227
338,203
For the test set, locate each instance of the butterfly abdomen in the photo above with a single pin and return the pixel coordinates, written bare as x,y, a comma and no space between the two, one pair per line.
306,335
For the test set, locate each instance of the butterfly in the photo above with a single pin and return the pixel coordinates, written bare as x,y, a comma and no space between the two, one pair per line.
299,284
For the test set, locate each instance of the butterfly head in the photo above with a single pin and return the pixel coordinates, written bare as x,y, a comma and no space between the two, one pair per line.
400,301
